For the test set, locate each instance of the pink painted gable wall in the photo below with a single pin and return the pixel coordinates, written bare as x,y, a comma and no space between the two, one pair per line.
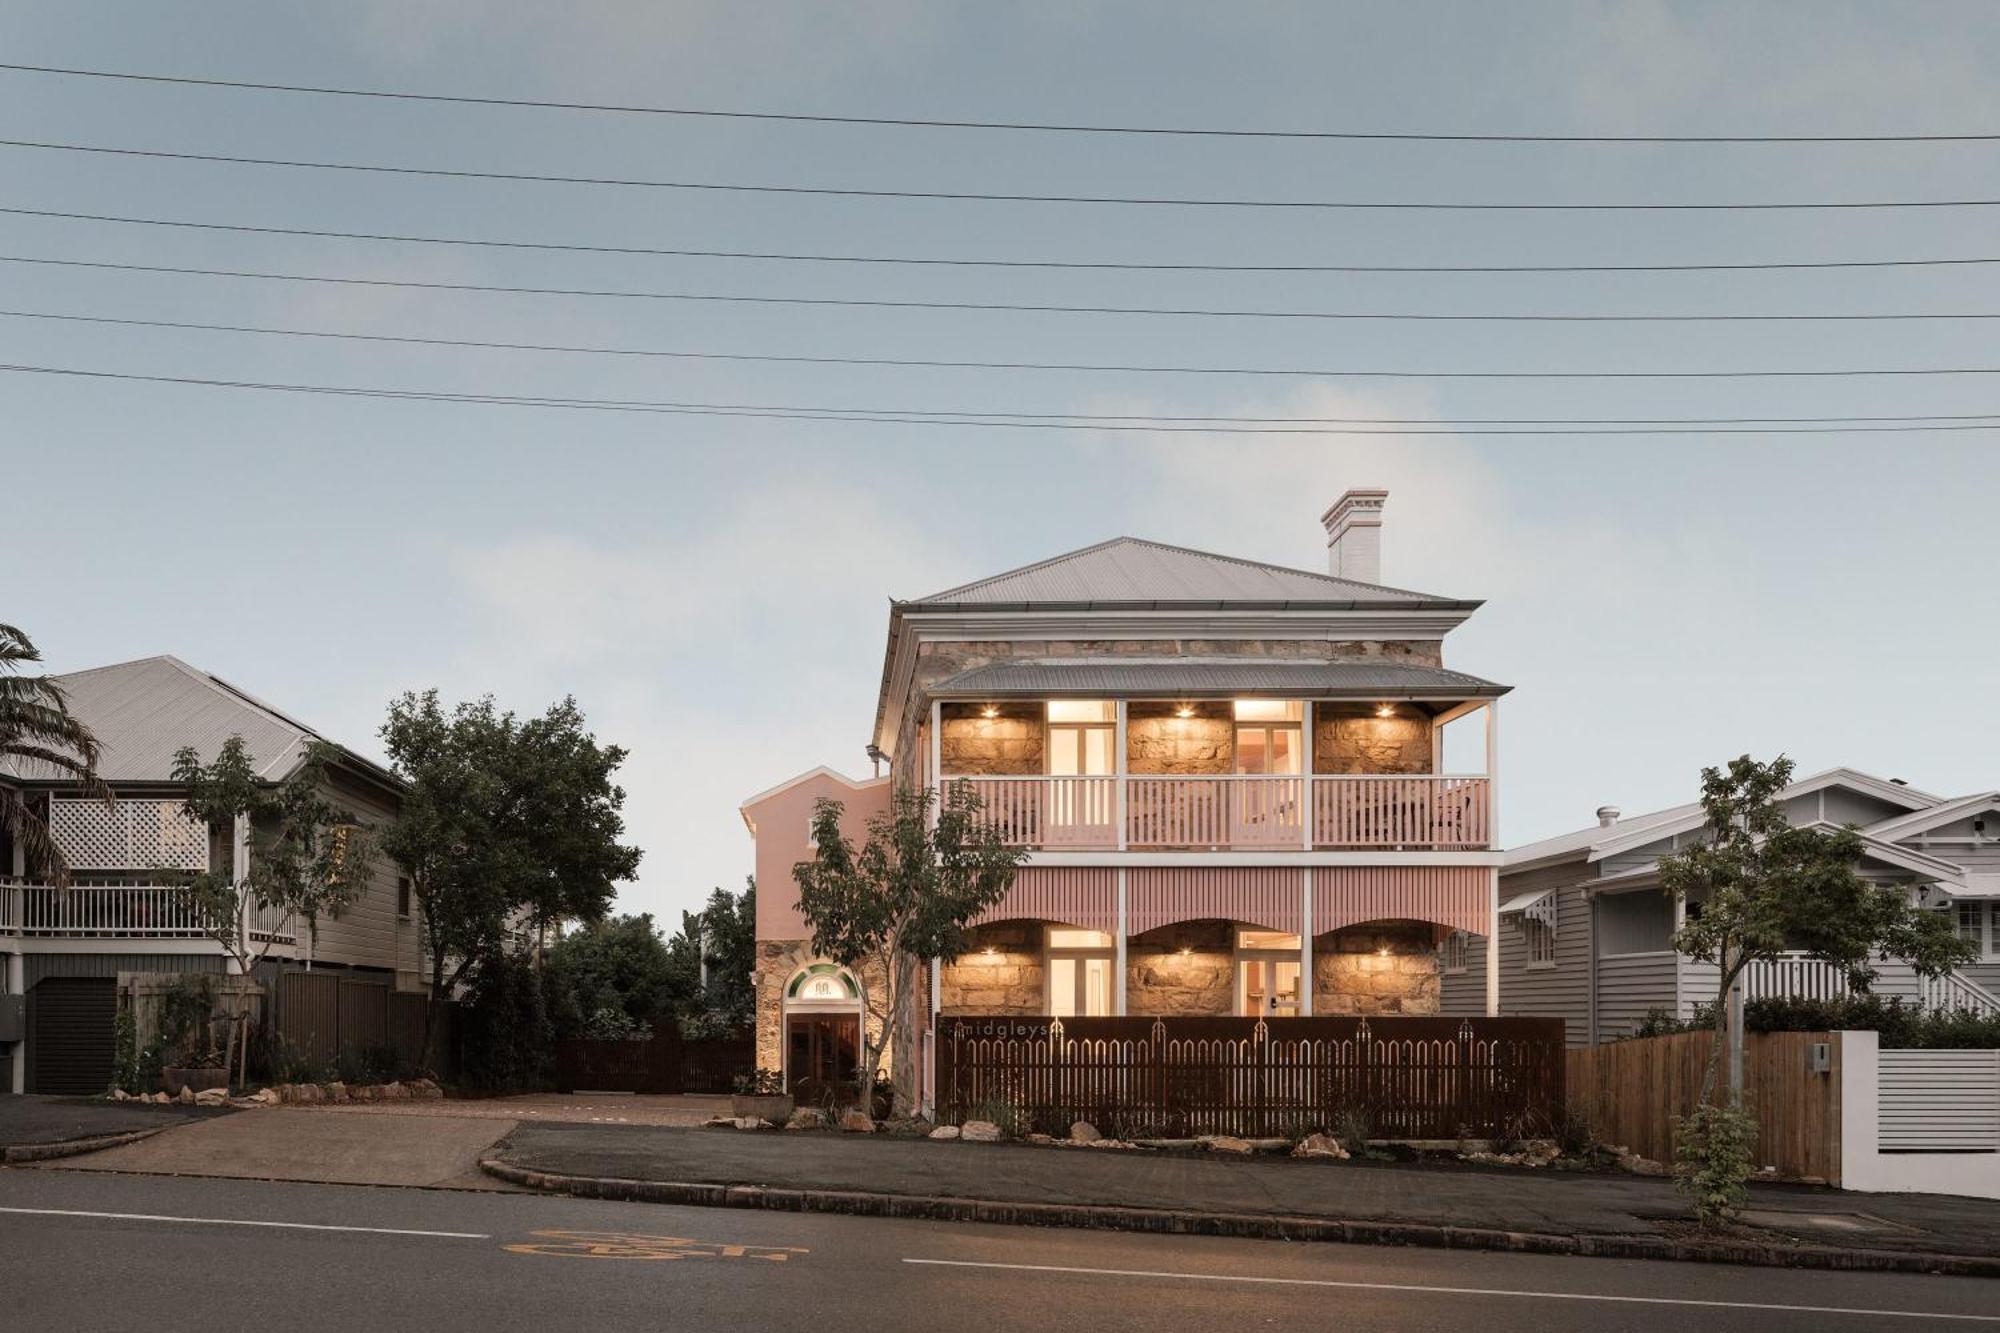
781,821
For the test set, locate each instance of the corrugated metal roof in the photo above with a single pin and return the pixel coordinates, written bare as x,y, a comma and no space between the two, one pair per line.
1203,676
142,712
1128,570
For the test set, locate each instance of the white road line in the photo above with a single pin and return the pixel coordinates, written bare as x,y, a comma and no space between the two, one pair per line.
244,1222
1459,1291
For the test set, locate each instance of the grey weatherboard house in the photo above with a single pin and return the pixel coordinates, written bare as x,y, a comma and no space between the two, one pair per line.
1585,930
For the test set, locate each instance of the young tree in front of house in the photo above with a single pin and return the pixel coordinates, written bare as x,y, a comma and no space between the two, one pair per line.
904,898
1758,887
506,828
37,730
308,857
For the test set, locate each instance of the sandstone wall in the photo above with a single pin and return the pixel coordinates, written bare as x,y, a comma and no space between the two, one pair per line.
1012,743
1010,980
1349,738
1158,741
1352,975
1162,981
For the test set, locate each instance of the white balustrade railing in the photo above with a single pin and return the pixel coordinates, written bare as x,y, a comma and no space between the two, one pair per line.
1795,977
1238,811
1953,992
98,910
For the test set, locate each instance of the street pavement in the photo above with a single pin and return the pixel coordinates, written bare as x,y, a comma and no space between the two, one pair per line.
88,1251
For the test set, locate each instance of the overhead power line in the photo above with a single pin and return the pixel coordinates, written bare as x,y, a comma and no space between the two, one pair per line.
808,257
1066,416
982,196
1083,367
1027,126
1016,307
994,421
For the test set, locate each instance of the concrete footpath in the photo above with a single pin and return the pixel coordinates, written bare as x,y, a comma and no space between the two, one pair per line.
1447,1204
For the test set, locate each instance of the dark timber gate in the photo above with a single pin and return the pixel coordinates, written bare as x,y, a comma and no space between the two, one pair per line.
72,1035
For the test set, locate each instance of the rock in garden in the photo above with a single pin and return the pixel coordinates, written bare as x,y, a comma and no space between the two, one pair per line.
979,1131
120,1095
187,1096
805,1118
750,1122
392,1092
1084,1132
336,1092
719,1122
266,1097
426,1089
945,1132
211,1097
856,1122
1320,1145
1229,1144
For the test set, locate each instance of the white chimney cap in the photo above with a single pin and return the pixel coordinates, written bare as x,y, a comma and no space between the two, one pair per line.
1607,815
1354,535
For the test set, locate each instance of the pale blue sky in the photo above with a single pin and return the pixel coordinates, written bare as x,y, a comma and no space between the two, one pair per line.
714,590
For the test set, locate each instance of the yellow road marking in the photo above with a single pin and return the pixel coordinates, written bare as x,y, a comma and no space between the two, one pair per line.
627,1245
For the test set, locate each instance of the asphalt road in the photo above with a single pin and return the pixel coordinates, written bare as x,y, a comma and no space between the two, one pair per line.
88,1251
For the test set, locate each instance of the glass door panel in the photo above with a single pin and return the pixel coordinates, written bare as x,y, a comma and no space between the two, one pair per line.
1062,987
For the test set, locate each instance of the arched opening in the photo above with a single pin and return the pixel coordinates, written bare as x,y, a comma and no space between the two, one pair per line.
822,1028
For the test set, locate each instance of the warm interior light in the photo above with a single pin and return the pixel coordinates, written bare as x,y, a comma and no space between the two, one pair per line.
1186,949
1382,952
988,951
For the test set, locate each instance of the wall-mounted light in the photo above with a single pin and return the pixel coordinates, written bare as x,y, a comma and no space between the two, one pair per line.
1382,952
1385,710
1184,711
987,951
989,712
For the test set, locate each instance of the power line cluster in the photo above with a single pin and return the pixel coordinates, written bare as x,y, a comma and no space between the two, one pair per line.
1765,424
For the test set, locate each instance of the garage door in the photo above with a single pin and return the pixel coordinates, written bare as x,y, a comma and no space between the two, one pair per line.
71,1022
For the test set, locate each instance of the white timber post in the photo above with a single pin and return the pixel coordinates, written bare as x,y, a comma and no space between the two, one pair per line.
1492,772
1307,765
1118,789
17,984
1118,964
1306,946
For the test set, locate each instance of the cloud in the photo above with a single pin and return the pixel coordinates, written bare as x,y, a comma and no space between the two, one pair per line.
725,657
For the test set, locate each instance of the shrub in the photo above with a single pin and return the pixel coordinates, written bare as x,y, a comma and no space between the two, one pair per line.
1900,1025
1352,1127
125,1060
1712,1160
758,1083
609,1024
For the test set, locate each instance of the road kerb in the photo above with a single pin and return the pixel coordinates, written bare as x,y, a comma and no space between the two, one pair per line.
1255,1226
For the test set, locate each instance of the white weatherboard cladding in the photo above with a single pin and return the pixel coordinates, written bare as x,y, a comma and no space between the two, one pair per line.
130,835
1939,1101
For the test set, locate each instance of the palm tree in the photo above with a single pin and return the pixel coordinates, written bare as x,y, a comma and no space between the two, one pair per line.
36,729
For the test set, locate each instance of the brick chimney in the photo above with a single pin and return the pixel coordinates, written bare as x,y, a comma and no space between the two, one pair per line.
1354,535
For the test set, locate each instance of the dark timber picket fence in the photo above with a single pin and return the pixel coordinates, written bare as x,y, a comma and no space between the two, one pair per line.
662,1063
1412,1078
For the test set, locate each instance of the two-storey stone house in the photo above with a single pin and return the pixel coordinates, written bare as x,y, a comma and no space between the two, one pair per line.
1230,777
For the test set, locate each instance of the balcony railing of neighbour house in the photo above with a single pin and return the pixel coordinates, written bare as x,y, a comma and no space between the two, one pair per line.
99,909
1797,976
1240,812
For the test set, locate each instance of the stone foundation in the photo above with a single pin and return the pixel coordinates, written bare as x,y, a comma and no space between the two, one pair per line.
1009,980
1385,967
777,961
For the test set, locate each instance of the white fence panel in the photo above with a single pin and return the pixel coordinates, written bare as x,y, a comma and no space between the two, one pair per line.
1939,1101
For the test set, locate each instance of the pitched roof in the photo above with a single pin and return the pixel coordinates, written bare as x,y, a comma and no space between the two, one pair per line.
1127,571
142,712
1598,841
1940,812
1189,677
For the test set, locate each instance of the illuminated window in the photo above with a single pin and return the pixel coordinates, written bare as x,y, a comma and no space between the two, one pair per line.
1063,938
1082,735
1082,710
1269,735
1270,710
1081,964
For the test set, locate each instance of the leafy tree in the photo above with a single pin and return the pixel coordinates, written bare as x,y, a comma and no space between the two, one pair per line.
1758,887
623,965
504,825
727,932
308,857
37,730
902,899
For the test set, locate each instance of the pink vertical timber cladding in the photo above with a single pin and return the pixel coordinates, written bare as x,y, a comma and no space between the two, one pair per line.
1453,896
1085,896
1268,896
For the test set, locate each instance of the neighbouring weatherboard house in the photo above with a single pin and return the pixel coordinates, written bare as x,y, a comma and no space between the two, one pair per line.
1229,777
1586,933
66,948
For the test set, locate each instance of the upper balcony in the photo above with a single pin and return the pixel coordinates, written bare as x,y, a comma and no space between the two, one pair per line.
1247,774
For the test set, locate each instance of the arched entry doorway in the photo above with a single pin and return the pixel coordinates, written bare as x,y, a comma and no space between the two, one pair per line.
822,1030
